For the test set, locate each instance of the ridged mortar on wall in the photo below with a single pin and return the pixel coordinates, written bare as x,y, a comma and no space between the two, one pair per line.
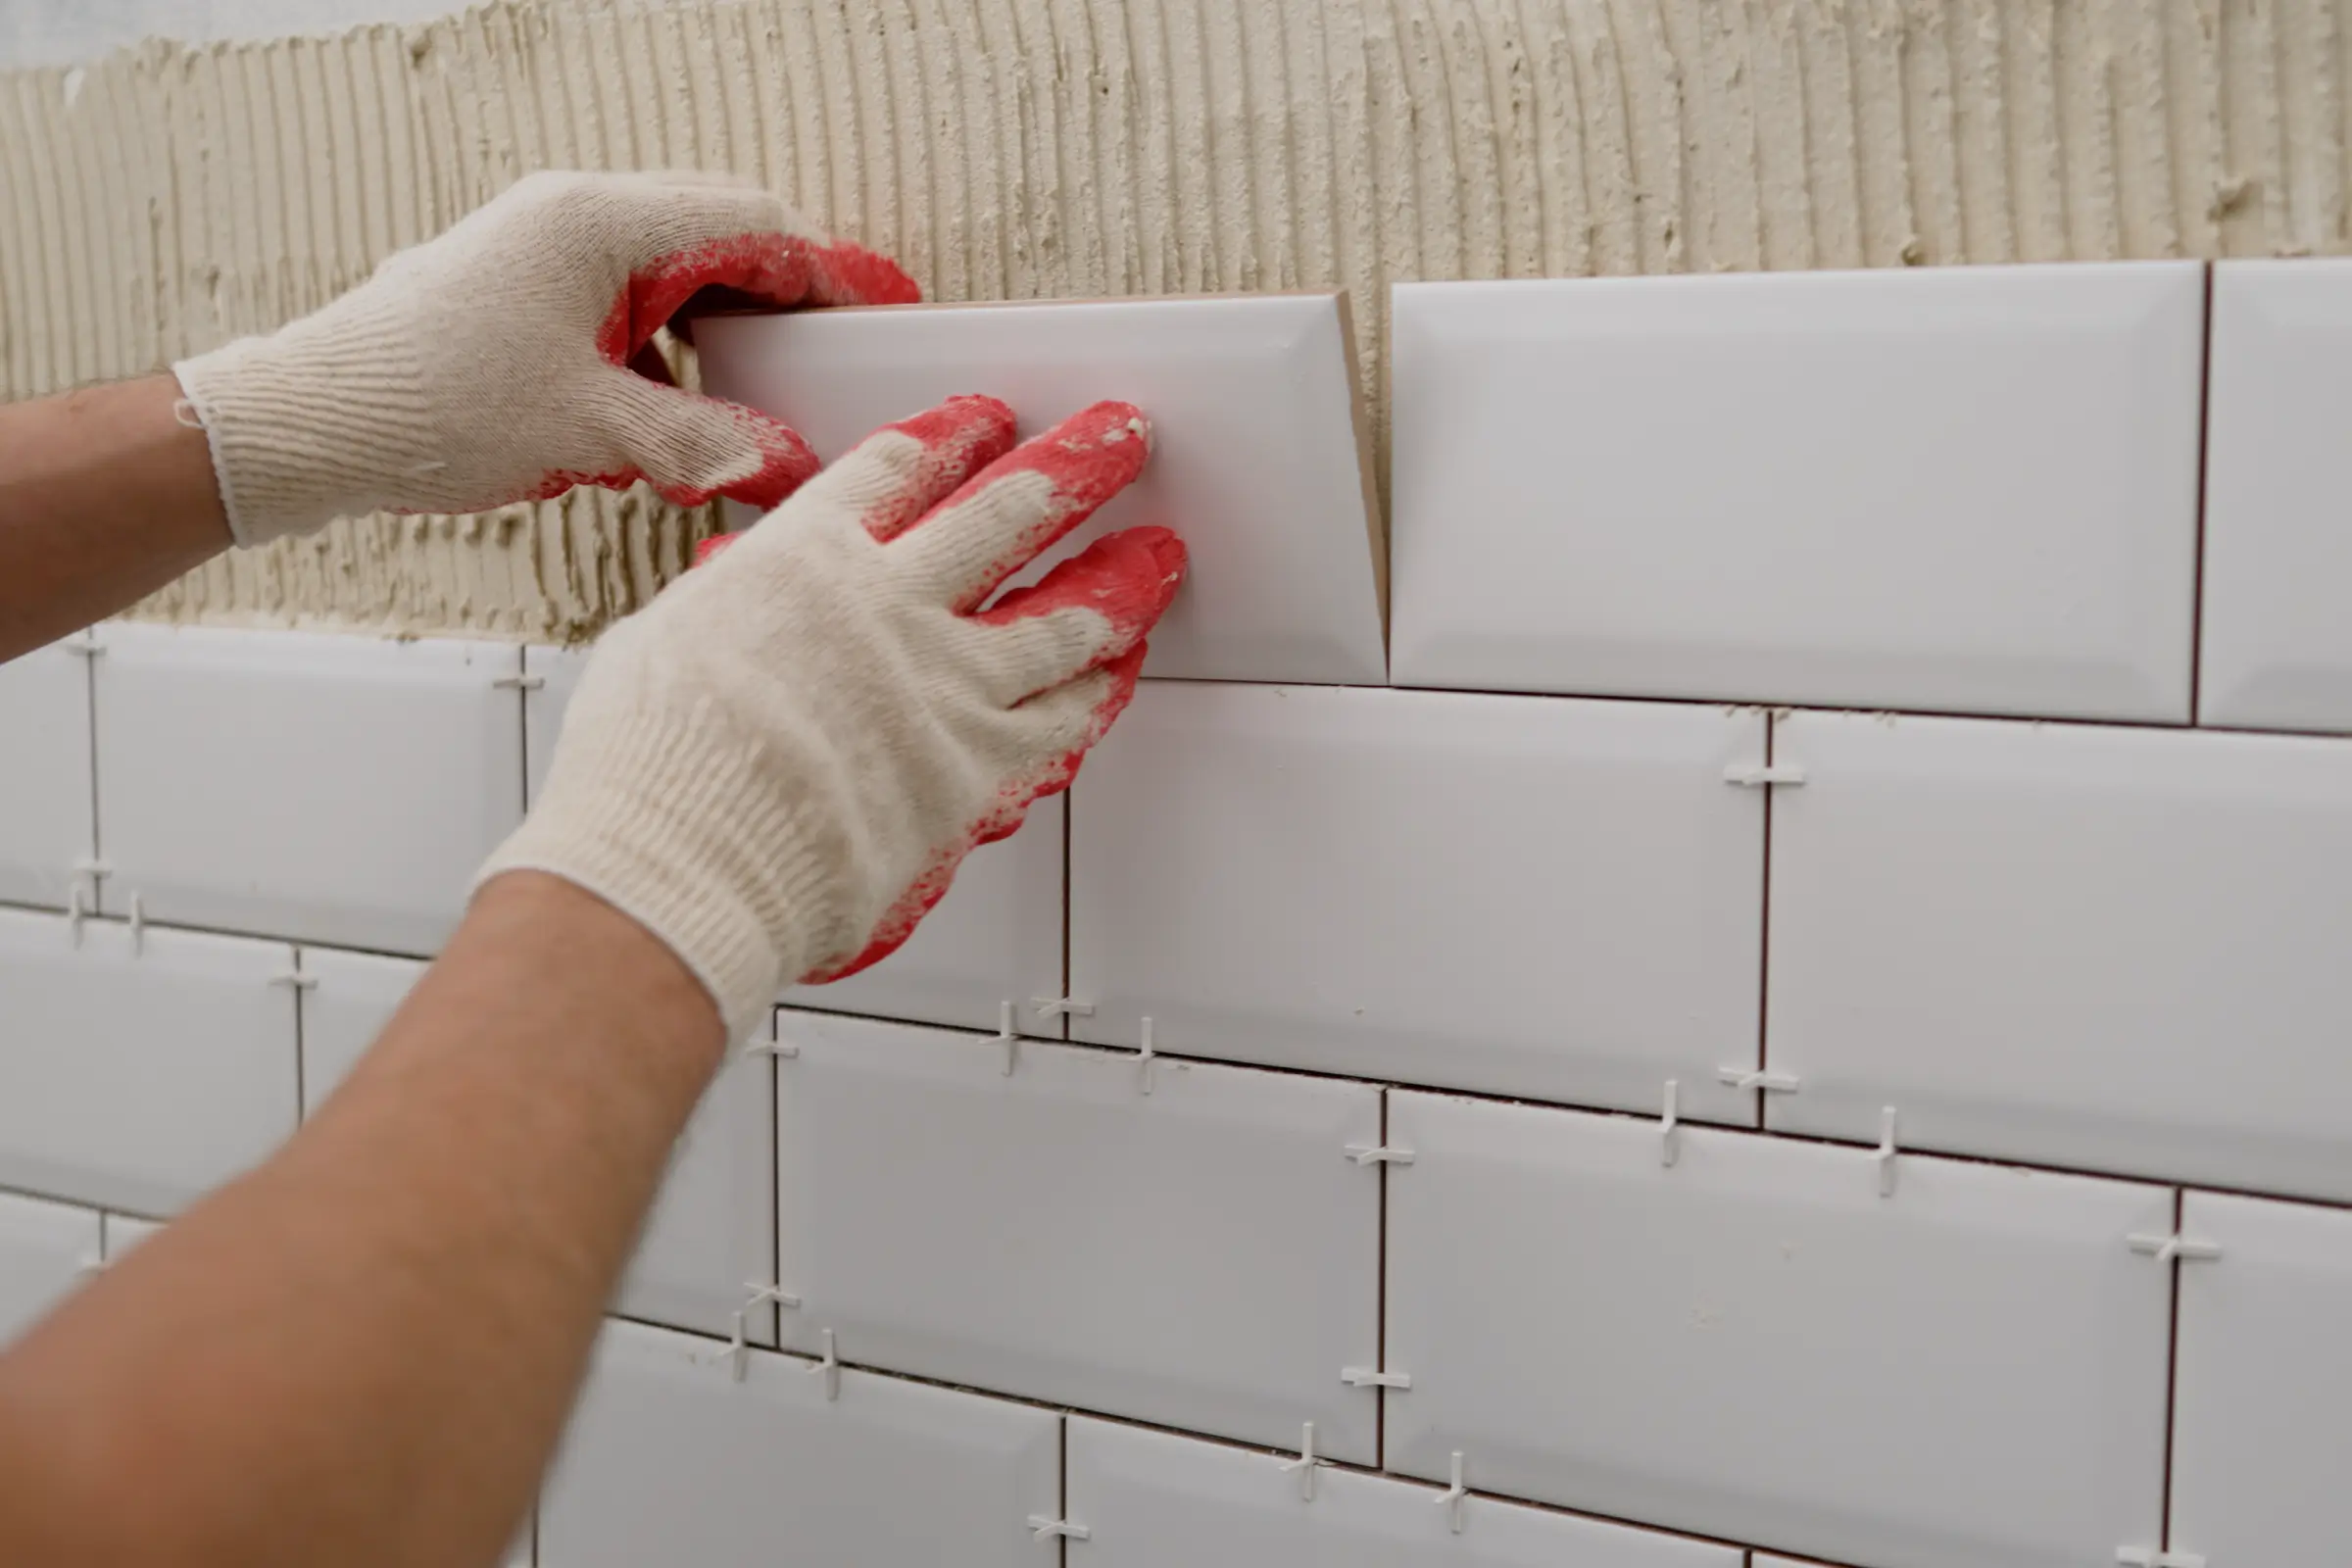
168,197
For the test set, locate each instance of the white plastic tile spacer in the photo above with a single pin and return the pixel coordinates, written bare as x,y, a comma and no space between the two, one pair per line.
138,927
76,915
93,870
1757,775
1886,1152
1305,1465
86,645
1368,1377
772,1048
768,1293
295,980
89,1263
1045,1529
1146,1057
738,1350
1007,1035
2150,1558
519,683
1762,1079
1380,1154
1454,1497
829,1367
1062,1007
2164,1248
1670,1125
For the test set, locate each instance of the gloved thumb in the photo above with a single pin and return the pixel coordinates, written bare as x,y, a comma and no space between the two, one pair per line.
692,447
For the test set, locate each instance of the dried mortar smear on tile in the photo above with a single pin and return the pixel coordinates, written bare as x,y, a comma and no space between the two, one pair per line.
168,197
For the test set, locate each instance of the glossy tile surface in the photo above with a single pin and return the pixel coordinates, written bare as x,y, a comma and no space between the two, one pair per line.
1256,454
1153,1499
1205,1256
137,1072
2085,946
350,998
671,1459
1755,1343
45,1251
711,1236
46,824
1517,895
338,789
1967,489
2277,646
2263,1428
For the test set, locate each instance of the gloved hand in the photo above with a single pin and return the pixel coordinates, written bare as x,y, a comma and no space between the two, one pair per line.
492,364
778,765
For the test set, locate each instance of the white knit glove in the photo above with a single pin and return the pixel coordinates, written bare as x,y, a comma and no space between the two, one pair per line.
494,364
777,765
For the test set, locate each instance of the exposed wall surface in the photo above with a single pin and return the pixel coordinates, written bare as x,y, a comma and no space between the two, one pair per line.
168,196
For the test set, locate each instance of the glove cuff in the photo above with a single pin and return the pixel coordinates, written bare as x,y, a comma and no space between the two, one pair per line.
679,865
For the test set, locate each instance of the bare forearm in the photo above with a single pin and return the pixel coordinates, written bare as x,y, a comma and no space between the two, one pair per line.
104,498
364,1351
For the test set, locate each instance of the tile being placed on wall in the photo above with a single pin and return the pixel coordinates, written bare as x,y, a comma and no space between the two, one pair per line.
1205,1256
1755,1343
2262,1430
1258,459
2085,945
1152,1499
712,1233
994,938
46,826
45,1250
140,1069
2277,646
334,789
1524,895
672,1458
1966,489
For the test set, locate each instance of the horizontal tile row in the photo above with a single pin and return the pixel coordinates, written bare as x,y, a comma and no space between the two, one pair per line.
2081,945
1900,1360
1953,489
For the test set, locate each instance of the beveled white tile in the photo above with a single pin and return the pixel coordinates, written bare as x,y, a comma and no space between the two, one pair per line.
120,1233
2085,945
2277,646
1524,895
1255,458
46,824
138,1071
712,1232
350,998
2262,1428
994,938
672,1459
325,788
1955,488
1754,1343
1204,1256
45,1251
1152,1499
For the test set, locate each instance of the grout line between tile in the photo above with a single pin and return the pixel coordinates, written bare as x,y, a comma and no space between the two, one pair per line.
2172,1378
2196,600
1772,736
1379,1287
89,676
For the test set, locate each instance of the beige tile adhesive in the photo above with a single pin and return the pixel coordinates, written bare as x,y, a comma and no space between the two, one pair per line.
168,197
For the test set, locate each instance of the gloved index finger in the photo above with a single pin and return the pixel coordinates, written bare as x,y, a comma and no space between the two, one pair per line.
1017,507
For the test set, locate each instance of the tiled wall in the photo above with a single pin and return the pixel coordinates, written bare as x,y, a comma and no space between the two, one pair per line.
1835,1045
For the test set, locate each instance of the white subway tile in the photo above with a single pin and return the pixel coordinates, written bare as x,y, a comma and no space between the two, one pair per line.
322,788
672,1458
46,821
1965,489
2277,645
712,1233
2262,1428
1524,895
1152,1499
1258,459
1755,1343
2085,945
1205,1256
140,1069
994,938
45,1250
